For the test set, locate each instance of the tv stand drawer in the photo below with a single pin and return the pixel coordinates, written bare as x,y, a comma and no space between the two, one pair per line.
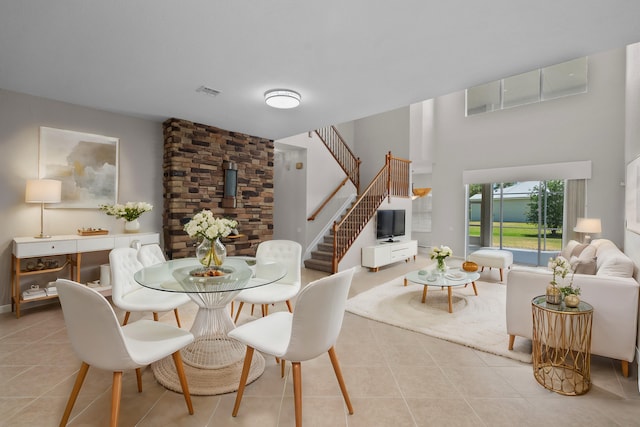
383,254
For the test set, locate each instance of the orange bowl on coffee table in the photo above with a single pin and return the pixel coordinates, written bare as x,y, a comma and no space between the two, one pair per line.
469,266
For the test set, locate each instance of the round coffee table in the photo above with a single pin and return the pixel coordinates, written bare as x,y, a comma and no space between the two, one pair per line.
453,277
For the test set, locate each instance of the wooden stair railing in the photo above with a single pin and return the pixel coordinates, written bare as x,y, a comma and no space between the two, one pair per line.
313,216
340,151
392,180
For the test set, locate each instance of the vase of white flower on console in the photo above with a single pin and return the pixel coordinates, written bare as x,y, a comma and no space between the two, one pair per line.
130,212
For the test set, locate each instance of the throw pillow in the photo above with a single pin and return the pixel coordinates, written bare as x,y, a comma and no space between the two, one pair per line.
587,266
579,248
567,251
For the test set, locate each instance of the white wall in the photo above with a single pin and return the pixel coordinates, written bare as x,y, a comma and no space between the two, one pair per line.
140,178
582,127
289,192
375,136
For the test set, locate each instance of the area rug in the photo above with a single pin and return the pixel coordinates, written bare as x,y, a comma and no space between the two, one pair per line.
478,322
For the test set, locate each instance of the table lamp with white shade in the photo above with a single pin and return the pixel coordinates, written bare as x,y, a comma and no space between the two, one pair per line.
43,191
588,226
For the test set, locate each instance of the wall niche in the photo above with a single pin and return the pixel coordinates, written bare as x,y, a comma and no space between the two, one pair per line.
194,180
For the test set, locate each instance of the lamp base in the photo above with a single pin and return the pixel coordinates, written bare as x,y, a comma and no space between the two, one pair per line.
42,236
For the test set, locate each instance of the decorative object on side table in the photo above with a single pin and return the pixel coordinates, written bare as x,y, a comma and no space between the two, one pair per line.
440,254
560,268
570,295
130,212
209,230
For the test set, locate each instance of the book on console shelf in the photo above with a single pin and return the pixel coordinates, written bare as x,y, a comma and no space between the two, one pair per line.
33,293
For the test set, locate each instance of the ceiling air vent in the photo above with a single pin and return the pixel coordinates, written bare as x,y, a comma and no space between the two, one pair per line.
208,91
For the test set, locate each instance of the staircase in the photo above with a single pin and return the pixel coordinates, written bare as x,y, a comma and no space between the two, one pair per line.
391,180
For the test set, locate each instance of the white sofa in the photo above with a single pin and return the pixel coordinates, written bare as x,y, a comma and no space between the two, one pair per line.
612,291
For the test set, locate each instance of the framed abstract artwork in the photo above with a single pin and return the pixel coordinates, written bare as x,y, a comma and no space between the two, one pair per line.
632,200
87,165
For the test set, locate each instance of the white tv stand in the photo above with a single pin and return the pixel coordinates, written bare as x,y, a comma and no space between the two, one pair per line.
386,253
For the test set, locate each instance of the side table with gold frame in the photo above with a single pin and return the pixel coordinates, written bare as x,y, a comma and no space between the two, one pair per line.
562,346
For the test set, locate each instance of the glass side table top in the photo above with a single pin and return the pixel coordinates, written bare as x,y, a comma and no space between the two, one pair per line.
541,301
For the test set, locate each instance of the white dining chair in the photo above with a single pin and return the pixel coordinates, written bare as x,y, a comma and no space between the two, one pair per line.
286,252
151,254
98,340
309,331
130,296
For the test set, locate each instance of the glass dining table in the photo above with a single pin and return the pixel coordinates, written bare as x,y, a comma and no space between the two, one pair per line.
213,359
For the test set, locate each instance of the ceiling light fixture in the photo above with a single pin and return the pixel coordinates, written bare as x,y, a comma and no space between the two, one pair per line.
282,98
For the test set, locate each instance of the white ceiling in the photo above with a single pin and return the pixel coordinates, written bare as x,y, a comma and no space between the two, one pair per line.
348,58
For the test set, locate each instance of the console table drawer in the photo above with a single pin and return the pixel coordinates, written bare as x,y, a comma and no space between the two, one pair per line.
26,250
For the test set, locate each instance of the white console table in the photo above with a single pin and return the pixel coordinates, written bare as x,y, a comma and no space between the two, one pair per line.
66,251
383,254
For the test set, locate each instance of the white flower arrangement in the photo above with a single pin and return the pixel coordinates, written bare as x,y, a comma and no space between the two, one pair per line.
205,225
440,253
560,268
129,211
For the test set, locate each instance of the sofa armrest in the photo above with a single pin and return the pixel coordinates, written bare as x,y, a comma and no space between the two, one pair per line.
614,301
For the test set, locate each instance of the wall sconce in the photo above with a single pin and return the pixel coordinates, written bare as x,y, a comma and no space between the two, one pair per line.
230,184
43,191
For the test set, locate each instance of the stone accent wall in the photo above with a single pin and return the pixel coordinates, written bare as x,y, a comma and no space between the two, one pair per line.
194,180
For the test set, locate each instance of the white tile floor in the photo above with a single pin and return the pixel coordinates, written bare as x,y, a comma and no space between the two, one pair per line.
395,378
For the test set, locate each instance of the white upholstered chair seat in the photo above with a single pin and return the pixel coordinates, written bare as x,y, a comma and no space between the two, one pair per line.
130,296
99,341
286,252
311,330
269,294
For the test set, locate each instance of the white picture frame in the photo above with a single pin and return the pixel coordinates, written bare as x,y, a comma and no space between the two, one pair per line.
87,165
632,200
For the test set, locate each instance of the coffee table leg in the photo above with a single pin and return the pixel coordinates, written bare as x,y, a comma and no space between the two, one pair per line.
450,306
424,294
405,281
474,288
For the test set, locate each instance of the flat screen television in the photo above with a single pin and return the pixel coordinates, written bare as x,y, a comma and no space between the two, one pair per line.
390,224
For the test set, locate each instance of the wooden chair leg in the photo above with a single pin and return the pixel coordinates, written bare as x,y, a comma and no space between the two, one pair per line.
253,306
265,310
82,373
238,313
231,309
139,379
338,371
175,312
155,316
177,360
512,339
282,362
297,391
501,274
625,368
289,306
126,318
243,379
116,393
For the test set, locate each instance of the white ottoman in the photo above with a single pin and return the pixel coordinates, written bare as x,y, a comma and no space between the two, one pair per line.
488,257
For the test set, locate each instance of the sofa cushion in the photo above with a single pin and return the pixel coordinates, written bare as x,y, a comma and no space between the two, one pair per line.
615,264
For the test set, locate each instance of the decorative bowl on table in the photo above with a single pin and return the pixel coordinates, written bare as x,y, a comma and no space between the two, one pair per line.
469,266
